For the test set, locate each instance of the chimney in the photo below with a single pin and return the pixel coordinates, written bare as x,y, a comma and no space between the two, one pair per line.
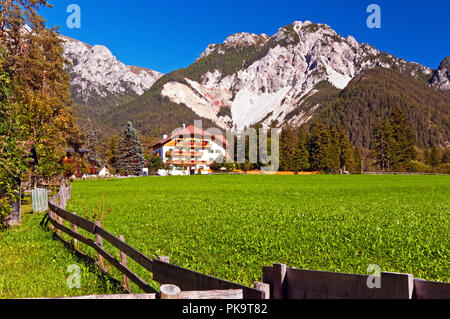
184,125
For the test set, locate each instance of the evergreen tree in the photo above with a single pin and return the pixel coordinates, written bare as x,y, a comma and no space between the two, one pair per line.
446,156
435,156
394,142
346,151
94,162
427,156
288,148
131,159
302,154
403,137
383,144
322,152
357,167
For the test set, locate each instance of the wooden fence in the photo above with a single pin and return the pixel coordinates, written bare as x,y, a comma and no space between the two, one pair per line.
279,281
13,219
162,270
292,283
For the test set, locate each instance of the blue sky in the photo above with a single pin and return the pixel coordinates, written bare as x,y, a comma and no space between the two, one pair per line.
167,35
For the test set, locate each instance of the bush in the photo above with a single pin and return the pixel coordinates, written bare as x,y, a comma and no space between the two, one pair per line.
444,168
418,167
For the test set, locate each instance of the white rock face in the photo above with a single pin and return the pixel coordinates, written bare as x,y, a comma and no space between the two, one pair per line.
96,73
441,78
300,56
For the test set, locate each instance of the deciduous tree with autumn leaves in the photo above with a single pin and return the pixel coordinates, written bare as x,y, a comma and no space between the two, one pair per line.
35,99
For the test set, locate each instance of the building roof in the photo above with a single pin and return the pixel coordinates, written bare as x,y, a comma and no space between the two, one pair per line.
191,130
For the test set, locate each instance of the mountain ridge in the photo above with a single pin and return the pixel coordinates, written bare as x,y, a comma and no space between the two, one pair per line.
251,78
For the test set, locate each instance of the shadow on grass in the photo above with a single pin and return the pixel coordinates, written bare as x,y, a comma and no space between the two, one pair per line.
108,283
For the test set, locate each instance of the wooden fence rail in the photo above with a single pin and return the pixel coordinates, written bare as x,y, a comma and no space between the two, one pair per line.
292,283
162,270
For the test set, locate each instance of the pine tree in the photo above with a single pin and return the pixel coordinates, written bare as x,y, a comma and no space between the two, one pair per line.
131,159
383,143
302,154
357,167
435,156
94,162
346,159
322,151
288,148
427,156
403,149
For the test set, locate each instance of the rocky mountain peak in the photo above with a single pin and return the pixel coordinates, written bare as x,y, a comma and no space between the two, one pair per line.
96,73
267,76
244,39
441,78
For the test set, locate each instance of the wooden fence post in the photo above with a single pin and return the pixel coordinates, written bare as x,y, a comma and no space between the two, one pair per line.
169,292
75,230
99,241
265,288
59,220
164,259
51,215
396,286
126,281
279,275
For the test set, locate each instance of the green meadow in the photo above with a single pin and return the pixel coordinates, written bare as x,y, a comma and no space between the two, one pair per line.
34,264
230,226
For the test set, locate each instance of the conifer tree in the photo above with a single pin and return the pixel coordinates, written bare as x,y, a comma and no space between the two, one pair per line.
435,156
131,159
94,162
302,154
403,137
322,151
346,151
383,144
288,148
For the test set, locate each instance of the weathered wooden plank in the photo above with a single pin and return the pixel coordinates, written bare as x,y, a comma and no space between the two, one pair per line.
131,252
123,256
74,219
112,297
265,288
99,242
212,294
396,286
279,281
69,232
189,280
308,284
431,289
132,276
267,275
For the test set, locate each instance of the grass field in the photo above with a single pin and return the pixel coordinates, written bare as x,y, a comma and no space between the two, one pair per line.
231,226
34,264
